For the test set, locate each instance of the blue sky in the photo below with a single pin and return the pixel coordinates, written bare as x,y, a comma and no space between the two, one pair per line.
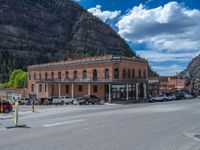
165,32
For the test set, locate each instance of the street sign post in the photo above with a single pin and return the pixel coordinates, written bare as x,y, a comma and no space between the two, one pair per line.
16,117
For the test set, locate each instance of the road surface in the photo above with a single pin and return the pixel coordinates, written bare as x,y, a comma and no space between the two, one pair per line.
154,126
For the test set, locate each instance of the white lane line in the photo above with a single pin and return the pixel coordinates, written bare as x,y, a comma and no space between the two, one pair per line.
61,123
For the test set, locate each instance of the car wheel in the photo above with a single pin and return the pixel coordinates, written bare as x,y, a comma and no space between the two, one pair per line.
6,110
62,102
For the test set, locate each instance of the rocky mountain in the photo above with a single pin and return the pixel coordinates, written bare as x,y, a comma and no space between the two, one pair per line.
40,31
193,69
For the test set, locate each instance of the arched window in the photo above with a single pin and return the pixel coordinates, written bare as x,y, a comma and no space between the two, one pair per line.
34,76
106,73
95,75
59,75
116,73
129,74
75,75
84,75
139,74
124,73
144,74
52,75
133,73
46,76
67,75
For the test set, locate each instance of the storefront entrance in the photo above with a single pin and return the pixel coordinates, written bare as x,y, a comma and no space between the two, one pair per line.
118,92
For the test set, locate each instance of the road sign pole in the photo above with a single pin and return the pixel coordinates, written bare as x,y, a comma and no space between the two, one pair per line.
16,117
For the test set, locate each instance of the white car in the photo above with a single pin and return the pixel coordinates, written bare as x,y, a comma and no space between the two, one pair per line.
63,100
187,96
158,98
171,97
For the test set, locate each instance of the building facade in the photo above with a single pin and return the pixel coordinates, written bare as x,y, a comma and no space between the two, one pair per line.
170,84
154,86
107,77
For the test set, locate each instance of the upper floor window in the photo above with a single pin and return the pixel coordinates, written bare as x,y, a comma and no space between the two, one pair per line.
52,75
95,74
124,73
116,73
46,76
29,76
59,75
84,74
133,73
34,76
144,74
129,73
106,73
139,74
40,75
75,75
67,75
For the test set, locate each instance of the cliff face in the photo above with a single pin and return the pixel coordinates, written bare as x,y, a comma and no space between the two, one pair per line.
40,31
193,68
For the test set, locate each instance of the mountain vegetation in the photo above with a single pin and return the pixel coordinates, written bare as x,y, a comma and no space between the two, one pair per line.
41,31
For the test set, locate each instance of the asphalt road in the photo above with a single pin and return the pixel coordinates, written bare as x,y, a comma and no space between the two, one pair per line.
156,126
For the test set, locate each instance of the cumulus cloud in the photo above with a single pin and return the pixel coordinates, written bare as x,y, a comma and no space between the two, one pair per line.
104,15
171,27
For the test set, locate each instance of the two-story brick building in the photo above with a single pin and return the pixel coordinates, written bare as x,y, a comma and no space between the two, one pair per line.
107,77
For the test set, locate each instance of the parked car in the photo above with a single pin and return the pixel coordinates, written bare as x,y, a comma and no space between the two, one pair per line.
180,96
187,96
171,97
24,101
63,100
89,99
159,98
5,106
48,101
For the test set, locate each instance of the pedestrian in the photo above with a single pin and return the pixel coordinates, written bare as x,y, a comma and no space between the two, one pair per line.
33,105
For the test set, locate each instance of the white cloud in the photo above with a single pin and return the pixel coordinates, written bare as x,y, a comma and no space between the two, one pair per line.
168,70
104,15
171,27
155,56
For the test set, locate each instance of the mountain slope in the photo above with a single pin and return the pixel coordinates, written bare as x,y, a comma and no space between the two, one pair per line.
193,68
39,31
